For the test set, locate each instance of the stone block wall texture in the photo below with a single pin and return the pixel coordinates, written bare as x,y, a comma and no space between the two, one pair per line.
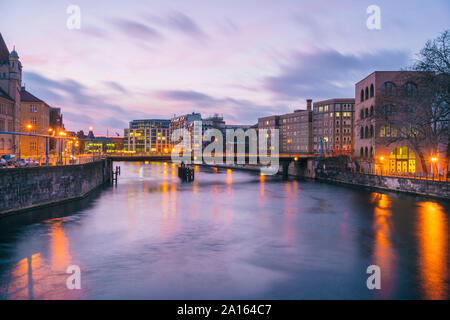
416,186
24,188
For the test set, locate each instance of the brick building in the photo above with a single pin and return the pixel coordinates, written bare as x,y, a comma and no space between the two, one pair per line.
333,122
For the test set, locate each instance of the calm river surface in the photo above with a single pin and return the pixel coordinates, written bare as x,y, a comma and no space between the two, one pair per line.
228,235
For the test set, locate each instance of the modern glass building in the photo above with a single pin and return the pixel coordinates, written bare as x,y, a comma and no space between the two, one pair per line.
147,136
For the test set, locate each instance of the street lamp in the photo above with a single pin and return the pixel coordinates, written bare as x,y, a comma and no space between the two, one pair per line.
382,164
434,160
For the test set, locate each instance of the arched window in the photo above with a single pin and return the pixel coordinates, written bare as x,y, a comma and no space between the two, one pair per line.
382,131
371,91
361,152
371,152
388,110
388,89
366,132
367,93
362,95
361,114
371,111
367,112
371,131
410,89
366,153
362,133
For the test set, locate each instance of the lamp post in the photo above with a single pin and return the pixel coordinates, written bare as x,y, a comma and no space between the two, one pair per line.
60,145
434,160
29,127
51,132
382,164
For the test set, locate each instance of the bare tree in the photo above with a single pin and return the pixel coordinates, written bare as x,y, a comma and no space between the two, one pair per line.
435,57
416,111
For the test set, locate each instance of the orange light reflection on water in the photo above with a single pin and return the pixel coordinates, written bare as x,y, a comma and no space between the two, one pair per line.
384,254
432,235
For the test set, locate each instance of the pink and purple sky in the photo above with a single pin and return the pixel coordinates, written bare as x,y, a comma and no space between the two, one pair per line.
244,59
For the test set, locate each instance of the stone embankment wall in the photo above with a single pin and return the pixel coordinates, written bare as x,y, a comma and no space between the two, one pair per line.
27,188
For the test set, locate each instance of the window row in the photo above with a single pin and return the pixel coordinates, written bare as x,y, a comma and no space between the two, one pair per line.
367,112
366,132
366,153
364,95
389,89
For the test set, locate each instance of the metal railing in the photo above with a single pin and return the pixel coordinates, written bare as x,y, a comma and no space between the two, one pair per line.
53,160
429,177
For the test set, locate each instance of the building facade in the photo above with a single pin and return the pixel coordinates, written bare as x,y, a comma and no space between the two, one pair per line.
6,123
34,118
382,98
332,126
56,125
144,136
185,121
10,85
269,123
295,131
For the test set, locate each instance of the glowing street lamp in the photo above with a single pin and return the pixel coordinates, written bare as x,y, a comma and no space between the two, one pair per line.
29,126
434,160
382,164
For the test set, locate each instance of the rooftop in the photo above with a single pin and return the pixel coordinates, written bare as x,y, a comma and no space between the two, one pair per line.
25,96
4,52
4,95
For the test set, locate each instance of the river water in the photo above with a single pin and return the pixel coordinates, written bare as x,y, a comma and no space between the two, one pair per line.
228,235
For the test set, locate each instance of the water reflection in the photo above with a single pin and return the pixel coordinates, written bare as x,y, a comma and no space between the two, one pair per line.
384,254
228,235
41,275
432,233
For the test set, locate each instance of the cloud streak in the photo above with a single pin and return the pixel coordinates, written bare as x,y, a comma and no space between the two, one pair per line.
136,30
236,110
81,106
328,73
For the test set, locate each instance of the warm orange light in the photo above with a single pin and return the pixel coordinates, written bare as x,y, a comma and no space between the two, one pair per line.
229,171
382,158
434,159
50,129
295,159
91,128
165,150
29,126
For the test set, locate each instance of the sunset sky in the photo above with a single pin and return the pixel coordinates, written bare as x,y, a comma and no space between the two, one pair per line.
245,59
